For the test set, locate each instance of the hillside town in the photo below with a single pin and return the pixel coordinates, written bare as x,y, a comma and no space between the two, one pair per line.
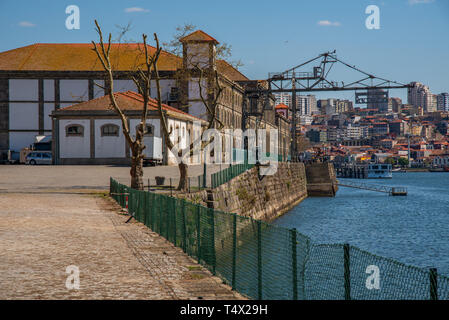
413,134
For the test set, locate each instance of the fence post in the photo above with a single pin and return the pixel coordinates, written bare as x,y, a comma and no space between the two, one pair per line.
294,265
167,217
184,231
347,272
212,240
175,201
204,174
198,234
161,207
150,211
433,277
259,259
234,249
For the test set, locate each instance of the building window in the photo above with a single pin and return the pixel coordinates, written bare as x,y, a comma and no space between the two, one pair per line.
109,130
149,131
74,130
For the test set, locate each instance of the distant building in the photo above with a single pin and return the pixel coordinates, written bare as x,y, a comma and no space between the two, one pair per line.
443,102
394,105
376,99
380,128
282,109
398,127
283,98
420,96
353,132
305,120
342,106
334,106
306,105
317,136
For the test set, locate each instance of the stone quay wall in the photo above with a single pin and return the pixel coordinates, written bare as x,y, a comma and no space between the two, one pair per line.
268,197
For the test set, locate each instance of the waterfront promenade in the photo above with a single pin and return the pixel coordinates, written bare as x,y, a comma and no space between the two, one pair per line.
48,222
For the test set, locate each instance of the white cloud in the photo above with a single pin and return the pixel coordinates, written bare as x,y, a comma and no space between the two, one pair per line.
327,23
26,24
412,2
136,9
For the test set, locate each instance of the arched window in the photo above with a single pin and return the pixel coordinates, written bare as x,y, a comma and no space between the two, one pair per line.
75,130
110,130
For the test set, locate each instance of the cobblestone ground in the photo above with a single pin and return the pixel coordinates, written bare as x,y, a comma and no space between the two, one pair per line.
42,234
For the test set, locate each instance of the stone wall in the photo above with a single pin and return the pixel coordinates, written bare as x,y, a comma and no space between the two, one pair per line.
265,197
269,197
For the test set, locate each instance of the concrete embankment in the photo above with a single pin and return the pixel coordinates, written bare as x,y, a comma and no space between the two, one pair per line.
321,180
268,197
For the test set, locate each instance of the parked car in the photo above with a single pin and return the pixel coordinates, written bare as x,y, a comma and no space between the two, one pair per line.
36,157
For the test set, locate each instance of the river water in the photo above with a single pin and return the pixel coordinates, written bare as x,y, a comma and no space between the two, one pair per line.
412,229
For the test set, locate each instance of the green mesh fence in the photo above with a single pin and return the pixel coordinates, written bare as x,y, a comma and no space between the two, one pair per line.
225,175
263,261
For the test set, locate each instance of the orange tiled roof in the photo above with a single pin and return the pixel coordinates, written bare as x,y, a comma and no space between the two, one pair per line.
127,101
230,72
81,57
281,106
198,35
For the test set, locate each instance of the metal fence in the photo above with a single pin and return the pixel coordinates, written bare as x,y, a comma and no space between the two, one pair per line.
264,261
225,175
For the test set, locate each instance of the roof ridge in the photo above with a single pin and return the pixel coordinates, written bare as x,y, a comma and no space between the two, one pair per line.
139,97
35,45
204,34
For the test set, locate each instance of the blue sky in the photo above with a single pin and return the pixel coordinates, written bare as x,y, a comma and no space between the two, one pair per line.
411,44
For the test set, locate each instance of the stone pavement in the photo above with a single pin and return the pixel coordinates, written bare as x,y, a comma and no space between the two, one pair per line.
39,179
43,233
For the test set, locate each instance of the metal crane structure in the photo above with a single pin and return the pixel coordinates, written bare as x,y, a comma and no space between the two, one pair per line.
295,81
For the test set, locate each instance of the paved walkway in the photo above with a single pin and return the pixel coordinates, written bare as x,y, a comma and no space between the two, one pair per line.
43,233
35,179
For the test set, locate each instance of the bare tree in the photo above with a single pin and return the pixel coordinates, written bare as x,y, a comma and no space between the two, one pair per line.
210,97
142,78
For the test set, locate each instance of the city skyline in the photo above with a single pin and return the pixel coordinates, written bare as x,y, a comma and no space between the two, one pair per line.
274,38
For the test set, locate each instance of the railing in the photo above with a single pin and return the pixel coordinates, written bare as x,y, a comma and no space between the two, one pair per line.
264,261
371,187
225,175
